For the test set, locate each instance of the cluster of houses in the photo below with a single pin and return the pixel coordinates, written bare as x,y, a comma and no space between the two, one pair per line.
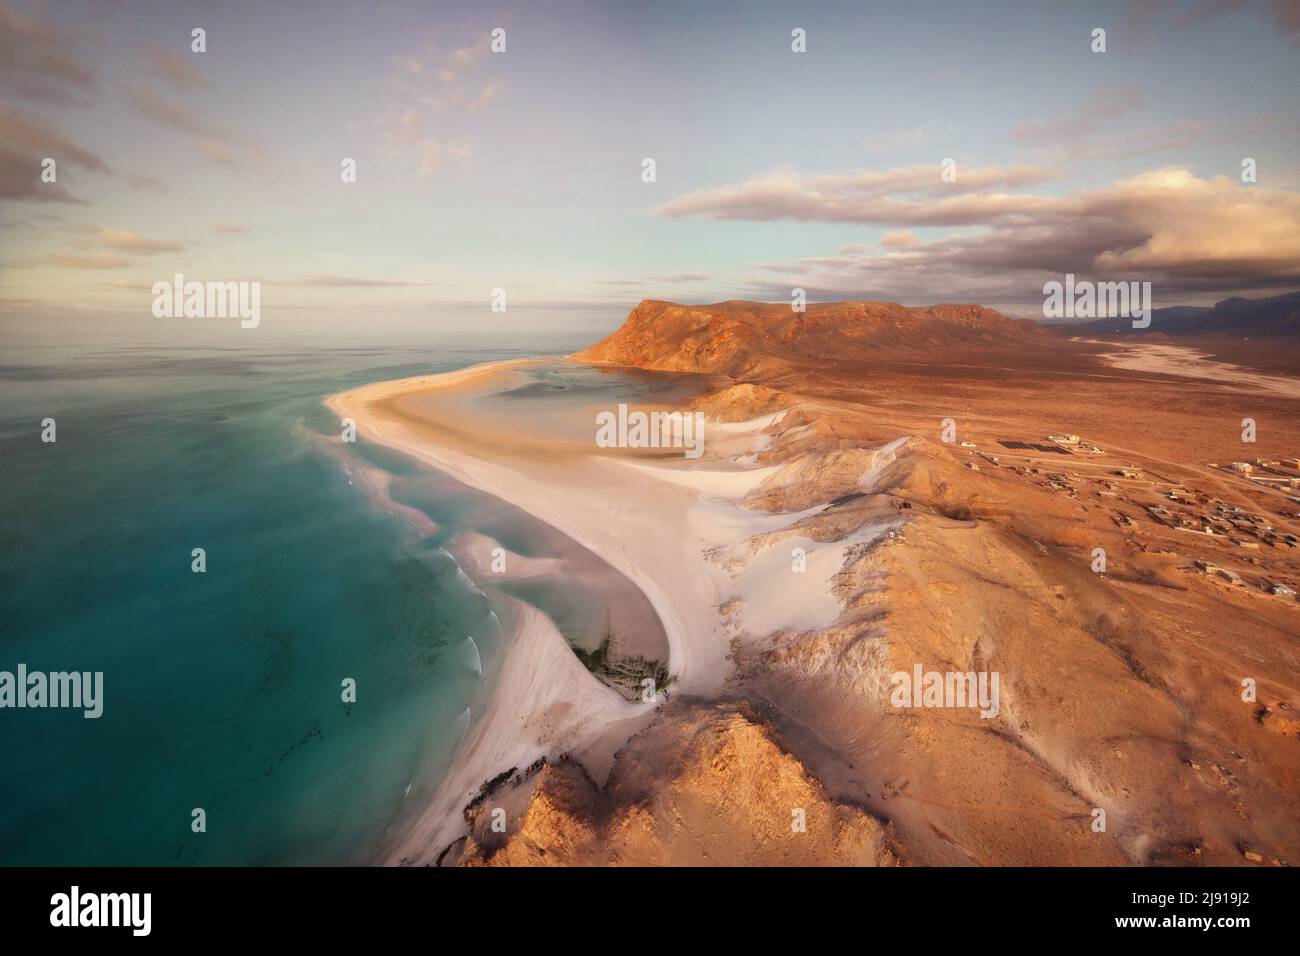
1178,508
1280,473
1244,528
1273,585
1074,442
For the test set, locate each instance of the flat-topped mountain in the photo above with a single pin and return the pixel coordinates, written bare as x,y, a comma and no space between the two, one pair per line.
737,336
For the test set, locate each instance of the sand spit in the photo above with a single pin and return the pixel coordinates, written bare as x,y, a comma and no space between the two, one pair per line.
679,530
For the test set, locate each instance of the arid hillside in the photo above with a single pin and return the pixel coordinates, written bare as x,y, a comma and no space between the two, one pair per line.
743,338
1120,581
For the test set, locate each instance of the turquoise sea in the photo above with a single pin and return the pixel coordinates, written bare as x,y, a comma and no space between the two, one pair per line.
222,690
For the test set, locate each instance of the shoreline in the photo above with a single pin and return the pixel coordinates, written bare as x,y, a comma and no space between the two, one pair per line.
678,529
544,701
541,498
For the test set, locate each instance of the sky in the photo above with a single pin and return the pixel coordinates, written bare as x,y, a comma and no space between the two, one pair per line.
523,169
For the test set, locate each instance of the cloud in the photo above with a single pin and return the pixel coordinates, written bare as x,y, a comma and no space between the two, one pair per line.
117,241
230,228
1286,18
1100,108
128,285
894,239
10,303
1092,130
28,131
444,83
430,154
103,260
168,112
124,241
139,181
219,146
646,282
218,151
409,64
1177,136
423,85
25,141
905,196
357,282
40,61
486,94
1146,20
1183,233
135,285
463,60
890,141
181,70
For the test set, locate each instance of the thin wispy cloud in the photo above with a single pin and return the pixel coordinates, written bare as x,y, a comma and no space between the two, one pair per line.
128,285
219,146
150,183
426,86
888,142
41,61
652,282
126,241
103,260
1100,108
1149,22
26,140
356,282
910,195
1096,128
179,69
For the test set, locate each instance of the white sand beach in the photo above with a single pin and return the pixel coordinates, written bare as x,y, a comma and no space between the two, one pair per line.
660,521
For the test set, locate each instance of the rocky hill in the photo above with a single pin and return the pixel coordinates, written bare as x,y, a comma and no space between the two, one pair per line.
739,338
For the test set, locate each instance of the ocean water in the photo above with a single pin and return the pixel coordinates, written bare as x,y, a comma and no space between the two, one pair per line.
222,690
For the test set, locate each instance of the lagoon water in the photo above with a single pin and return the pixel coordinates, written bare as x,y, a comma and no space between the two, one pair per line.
222,690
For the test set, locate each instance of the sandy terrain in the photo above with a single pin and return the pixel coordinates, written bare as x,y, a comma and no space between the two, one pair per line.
543,701
1193,363
657,523
816,550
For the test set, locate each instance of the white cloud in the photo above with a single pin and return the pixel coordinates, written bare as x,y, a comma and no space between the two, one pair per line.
1183,233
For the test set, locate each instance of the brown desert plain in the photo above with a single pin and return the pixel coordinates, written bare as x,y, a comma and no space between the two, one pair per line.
906,452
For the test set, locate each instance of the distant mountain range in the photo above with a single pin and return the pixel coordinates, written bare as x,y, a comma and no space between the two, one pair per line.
1276,316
